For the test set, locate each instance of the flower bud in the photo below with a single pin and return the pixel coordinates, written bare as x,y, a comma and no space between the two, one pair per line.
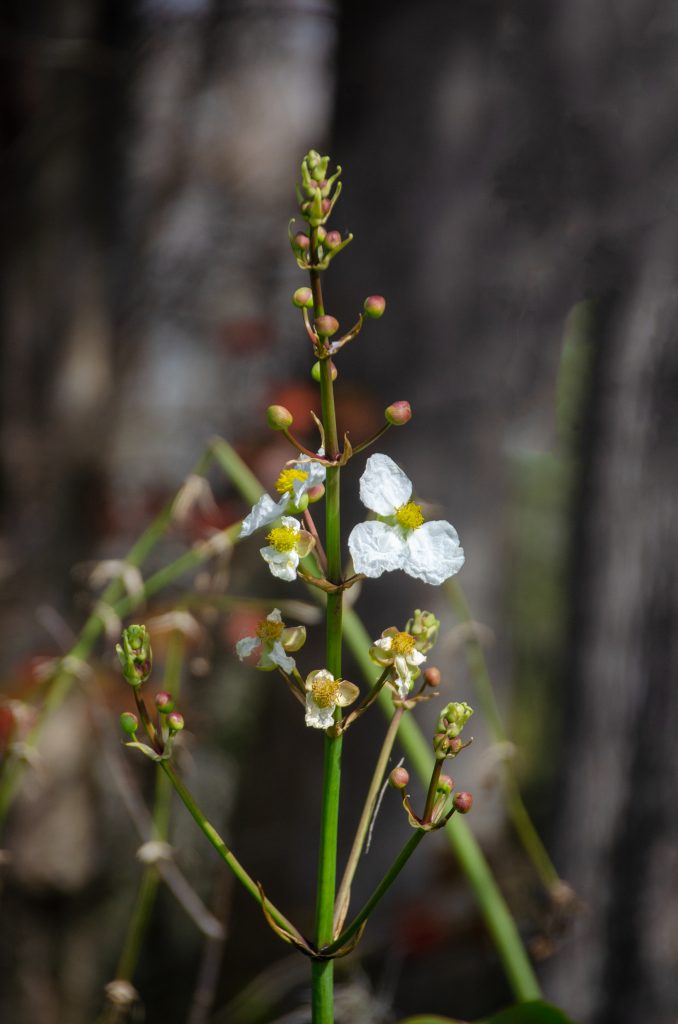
445,784
326,326
332,240
432,676
454,746
164,702
303,297
398,413
463,802
322,233
424,626
374,306
301,242
175,721
278,417
441,744
129,723
315,493
315,371
326,205
399,778
454,717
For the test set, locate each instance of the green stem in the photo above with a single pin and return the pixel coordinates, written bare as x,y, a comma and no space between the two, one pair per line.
344,893
432,790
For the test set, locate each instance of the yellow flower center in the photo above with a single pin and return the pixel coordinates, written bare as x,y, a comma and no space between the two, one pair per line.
268,631
283,538
410,516
285,481
402,643
324,691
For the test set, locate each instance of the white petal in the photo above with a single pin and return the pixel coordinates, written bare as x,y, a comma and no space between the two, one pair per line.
264,512
291,523
385,643
376,548
278,657
275,616
404,680
244,647
416,658
283,564
316,475
318,718
383,486
433,553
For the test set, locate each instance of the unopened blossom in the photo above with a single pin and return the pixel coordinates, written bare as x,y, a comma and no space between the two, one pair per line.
287,544
324,693
399,650
273,639
293,484
400,538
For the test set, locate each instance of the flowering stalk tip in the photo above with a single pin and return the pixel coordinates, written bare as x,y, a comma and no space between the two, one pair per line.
135,655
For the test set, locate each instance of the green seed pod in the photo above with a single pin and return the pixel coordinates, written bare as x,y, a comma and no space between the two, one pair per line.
279,418
129,723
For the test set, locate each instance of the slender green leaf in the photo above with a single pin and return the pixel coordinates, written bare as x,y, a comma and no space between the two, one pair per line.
535,1012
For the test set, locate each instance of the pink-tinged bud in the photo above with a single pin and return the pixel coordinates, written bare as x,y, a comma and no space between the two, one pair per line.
398,413
322,233
374,306
463,802
326,326
399,778
164,702
279,418
432,676
175,721
445,784
326,205
315,493
455,745
129,723
303,297
315,371
332,240
301,241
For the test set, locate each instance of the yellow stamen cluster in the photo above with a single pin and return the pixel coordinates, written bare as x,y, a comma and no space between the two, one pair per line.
268,631
285,481
410,516
282,538
324,691
402,643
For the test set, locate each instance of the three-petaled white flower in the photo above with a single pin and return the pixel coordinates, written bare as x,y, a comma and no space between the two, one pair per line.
398,649
400,539
324,693
273,639
293,484
287,544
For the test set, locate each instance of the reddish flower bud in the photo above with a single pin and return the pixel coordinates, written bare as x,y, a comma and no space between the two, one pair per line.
279,418
332,240
315,371
326,326
463,802
398,413
432,676
326,205
455,745
399,778
175,721
374,306
303,297
315,493
164,702
301,241
445,784
129,723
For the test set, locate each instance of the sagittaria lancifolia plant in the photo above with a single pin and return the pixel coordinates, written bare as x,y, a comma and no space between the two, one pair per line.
396,537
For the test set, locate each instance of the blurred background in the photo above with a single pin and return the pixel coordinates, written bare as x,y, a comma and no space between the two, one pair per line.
510,175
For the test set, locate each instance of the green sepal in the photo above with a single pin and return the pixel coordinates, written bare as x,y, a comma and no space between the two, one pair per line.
149,752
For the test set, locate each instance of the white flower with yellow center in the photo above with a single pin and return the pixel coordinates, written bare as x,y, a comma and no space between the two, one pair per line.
286,545
400,539
398,649
273,639
324,693
292,485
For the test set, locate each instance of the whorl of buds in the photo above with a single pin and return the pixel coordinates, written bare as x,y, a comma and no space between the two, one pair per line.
279,418
445,784
326,326
399,778
175,721
374,306
135,655
129,723
463,802
432,676
332,240
315,371
164,702
398,413
303,298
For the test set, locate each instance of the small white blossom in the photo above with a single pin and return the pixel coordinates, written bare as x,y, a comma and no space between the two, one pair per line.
398,649
324,693
292,485
287,545
400,539
273,639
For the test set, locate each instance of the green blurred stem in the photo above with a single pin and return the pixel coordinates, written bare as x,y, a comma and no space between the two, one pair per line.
477,665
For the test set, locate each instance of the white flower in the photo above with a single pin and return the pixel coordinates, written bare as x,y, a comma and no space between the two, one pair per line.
398,649
428,551
292,485
287,544
274,640
324,693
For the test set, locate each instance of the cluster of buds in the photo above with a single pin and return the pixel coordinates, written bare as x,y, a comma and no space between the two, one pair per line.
136,659
135,655
451,721
424,627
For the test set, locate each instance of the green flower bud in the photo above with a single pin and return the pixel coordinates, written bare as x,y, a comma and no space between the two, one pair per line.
374,306
175,721
398,414
135,655
326,326
129,723
321,231
164,702
453,718
399,778
303,297
424,626
445,784
279,418
463,802
315,371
